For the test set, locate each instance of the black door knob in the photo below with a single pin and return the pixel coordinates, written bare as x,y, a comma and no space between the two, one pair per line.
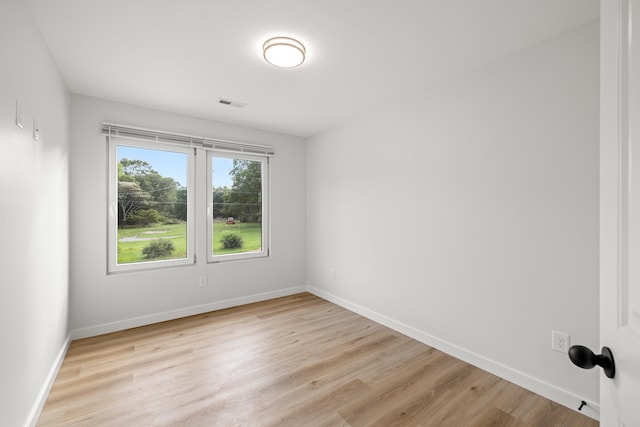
583,357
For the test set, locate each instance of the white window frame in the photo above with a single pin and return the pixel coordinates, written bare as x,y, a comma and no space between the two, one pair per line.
264,252
112,228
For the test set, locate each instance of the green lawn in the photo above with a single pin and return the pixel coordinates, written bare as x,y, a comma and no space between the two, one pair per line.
251,237
131,241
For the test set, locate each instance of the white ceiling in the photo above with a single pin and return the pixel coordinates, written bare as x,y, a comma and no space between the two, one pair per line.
182,55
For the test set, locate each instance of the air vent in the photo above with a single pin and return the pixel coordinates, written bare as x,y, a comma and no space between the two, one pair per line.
231,103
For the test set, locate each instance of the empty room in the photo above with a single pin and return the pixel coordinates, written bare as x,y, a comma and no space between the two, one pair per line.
299,213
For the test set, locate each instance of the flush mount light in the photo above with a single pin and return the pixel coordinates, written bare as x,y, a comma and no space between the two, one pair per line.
283,52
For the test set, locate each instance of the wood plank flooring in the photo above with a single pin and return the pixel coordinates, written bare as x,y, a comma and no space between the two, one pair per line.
293,361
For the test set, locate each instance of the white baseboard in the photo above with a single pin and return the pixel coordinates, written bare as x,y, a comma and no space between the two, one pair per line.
535,385
551,392
134,322
33,416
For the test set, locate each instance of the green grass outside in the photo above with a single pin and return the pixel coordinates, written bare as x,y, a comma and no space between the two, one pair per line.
131,241
135,239
251,237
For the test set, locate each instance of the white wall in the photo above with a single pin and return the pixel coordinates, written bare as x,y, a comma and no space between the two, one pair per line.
101,302
34,213
467,216
457,215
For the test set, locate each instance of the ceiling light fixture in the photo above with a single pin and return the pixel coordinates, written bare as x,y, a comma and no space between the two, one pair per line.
284,52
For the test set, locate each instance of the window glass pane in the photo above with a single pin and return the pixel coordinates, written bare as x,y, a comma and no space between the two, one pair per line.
236,206
152,204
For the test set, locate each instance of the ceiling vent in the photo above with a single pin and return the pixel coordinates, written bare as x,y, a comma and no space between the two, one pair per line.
231,103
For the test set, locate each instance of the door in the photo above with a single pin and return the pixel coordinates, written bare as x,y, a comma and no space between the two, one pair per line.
620,209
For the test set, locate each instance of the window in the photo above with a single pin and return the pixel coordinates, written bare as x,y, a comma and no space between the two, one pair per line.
151,206
154,190
237,212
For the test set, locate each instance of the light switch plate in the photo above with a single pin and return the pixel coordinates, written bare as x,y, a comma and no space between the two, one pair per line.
19,118
36,130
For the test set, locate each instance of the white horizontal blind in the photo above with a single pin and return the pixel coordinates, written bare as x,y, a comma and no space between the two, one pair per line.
142,134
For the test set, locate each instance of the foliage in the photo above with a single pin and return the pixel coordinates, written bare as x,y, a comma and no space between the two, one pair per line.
231,240
171,221
180,207
158,249
243,200
218,201
130,199
135,167
140,187
144,217
163,191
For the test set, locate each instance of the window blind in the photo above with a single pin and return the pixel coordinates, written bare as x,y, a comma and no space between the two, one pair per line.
142,134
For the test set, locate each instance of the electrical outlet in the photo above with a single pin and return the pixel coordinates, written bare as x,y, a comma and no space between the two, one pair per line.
202,281
332,273
560,341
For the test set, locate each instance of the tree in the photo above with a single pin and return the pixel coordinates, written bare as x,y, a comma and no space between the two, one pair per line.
135,167
244,200
218,202
130,199
180,208
144,217
145,188
163,191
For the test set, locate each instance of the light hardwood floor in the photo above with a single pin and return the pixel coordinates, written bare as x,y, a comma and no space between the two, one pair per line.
293,361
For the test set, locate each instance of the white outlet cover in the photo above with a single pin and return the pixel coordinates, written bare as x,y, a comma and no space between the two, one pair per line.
560,341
